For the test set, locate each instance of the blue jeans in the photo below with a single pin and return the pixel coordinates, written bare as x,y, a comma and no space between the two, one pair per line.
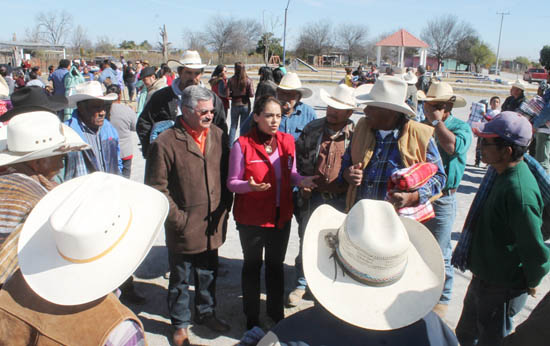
487,313
306,208
237,112
204,267
441,227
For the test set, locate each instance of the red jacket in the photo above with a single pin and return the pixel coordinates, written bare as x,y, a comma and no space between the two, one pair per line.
259,208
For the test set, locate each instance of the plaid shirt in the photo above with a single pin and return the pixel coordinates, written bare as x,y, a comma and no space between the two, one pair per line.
385,160
127,333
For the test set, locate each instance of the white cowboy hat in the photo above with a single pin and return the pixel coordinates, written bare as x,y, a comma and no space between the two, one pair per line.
4,89
341,98
389,93
291,81
89,91
394,266
410,78
36,135
441,91
88,235
519,84
190,59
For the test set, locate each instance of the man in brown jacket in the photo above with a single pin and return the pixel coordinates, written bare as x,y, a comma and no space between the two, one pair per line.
188,163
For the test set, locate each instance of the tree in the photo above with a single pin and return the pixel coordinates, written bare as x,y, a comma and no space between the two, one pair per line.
482,55
229,35
545,57
33,34
164,44
54,27
463,50
443,34
194,40
352,38
127,45
268,45
104,45
145,45
522,61
80,40
315,38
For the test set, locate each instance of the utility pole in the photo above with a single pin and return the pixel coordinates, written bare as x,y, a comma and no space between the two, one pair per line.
284,35
502,14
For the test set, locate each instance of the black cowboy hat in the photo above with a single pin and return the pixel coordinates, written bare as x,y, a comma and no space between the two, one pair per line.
34,98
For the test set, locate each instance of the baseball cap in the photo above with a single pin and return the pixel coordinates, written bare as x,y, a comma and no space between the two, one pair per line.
510,126
146,72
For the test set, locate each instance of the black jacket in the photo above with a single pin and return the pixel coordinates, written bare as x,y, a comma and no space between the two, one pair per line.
163,105
512,104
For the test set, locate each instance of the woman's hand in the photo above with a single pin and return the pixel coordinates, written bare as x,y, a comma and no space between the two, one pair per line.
308,182
354,174
258,187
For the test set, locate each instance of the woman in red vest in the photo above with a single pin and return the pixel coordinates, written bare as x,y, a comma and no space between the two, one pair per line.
262,171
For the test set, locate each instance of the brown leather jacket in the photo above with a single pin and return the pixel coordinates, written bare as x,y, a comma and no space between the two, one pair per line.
195,185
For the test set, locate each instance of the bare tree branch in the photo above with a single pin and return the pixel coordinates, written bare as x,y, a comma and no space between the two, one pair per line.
316,38
352,40
79,39
54,27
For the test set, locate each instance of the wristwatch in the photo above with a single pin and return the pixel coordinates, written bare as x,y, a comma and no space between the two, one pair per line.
435,122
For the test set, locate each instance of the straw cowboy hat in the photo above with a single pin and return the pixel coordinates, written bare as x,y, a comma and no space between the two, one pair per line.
443,92
291,81
33,98
89,91
519,84
389,93
371,268
341,97
36,135
190,59
89,234
410,78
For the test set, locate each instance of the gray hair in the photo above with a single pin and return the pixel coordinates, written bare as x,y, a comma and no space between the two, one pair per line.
193,94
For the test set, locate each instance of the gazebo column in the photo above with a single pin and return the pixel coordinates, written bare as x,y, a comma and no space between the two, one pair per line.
402,57
378,55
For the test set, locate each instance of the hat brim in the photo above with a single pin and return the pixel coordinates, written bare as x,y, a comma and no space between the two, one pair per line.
479,128
74,99
458,102
176,63
334,103
405,109
305,92
65,283
73,142
26,109
381,308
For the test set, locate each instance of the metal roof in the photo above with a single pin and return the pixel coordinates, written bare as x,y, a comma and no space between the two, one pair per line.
30,45
402,38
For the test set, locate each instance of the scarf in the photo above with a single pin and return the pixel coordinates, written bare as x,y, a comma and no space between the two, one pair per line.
462,250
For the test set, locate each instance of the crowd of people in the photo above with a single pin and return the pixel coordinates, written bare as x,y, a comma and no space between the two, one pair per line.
375,203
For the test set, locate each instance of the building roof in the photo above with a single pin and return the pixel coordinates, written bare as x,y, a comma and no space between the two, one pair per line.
402,38
31,45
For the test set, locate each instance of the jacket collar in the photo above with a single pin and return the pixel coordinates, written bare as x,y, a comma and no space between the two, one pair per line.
182,135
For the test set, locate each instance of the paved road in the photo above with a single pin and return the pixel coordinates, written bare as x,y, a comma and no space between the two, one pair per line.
150,278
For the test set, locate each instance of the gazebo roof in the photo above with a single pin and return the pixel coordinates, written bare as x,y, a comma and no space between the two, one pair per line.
402,38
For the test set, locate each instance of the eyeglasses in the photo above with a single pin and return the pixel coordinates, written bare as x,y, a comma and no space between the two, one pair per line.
205,111
487,144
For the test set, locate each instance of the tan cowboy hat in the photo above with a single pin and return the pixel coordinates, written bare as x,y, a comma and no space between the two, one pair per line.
88,235
291,81
190,59
36,135
410,78
371,268
341,97
4,89
390,93
519,84
92,90
443,92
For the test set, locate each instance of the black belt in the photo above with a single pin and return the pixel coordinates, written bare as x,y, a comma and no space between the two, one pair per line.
448,192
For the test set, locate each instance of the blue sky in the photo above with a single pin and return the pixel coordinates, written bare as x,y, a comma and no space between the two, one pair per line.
524,33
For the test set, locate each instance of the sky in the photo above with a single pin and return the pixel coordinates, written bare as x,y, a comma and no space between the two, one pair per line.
525,31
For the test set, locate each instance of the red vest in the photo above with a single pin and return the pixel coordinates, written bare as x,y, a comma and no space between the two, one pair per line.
260,208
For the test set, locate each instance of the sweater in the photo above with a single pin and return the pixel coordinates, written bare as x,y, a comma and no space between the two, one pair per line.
507,247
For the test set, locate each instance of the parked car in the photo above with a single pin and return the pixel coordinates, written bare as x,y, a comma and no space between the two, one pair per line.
535,75
494,70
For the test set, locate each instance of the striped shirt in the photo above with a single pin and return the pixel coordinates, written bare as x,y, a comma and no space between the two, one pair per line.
127,333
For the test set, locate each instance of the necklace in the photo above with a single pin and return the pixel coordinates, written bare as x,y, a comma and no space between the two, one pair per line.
268,148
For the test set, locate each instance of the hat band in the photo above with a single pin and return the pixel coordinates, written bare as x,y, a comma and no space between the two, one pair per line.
109,249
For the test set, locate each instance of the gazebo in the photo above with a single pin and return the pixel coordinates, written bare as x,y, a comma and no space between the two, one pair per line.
402,39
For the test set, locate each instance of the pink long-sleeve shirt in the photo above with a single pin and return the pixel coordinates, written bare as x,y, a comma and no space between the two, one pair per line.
235,182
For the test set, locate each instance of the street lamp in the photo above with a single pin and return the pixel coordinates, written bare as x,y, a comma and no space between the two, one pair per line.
502,14
284,35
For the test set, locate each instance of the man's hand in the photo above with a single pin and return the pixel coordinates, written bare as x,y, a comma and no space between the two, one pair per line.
354,174
305,193
308,183
401,199
258,187
433,114
532,291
